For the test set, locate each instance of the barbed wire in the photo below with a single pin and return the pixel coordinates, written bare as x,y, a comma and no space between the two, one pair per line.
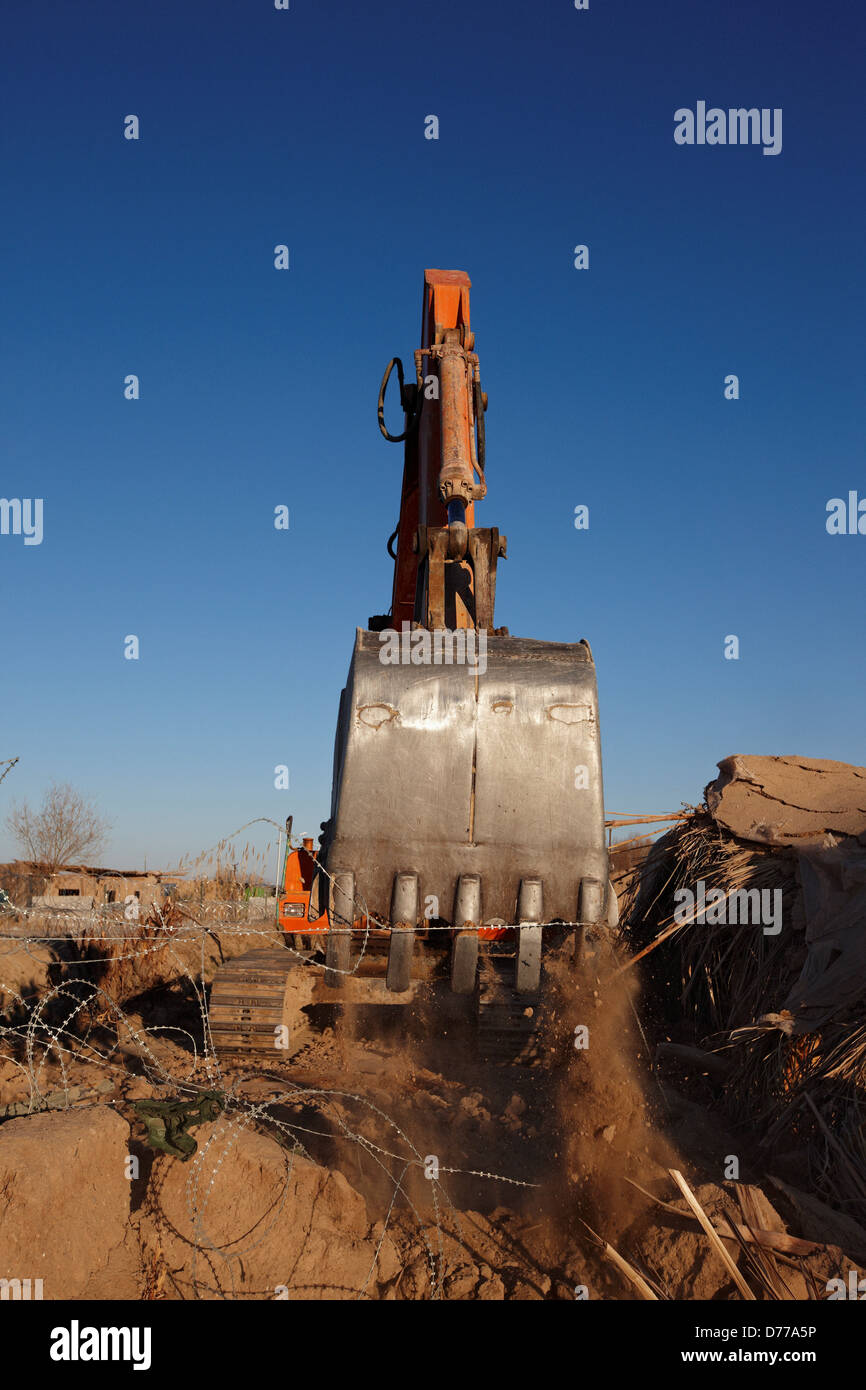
35,1032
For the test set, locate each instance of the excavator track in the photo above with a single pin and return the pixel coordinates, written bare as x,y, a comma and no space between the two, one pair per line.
255,1007
507,1021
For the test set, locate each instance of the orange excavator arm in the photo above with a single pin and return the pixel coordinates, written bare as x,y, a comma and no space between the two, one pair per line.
444,570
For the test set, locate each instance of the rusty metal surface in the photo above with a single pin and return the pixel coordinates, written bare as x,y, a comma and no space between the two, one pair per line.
452,594
456,475
470,773
445,305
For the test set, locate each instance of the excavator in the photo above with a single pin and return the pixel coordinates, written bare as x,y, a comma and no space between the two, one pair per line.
466,829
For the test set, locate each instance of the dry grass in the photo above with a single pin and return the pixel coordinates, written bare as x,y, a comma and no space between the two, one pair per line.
731,982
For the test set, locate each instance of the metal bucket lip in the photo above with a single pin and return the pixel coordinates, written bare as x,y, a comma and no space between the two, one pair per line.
527,648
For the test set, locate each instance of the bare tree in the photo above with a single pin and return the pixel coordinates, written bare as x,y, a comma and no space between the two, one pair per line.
67,828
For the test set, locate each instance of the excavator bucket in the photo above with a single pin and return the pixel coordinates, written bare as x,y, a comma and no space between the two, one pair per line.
449,773
467,821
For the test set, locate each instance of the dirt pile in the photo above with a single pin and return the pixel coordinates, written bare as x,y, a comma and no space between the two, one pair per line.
64,1203
89,1212
784,801
248,1218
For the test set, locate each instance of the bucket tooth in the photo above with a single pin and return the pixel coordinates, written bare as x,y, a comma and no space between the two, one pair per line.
338,950
590,902
530,907
343,900
338,957
528,970
530,901
464,961
464,944
612,907
404,918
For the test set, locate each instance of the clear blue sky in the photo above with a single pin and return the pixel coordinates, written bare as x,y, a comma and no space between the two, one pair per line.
258,387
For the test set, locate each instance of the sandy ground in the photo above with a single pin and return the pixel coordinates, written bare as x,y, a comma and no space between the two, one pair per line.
434,1172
